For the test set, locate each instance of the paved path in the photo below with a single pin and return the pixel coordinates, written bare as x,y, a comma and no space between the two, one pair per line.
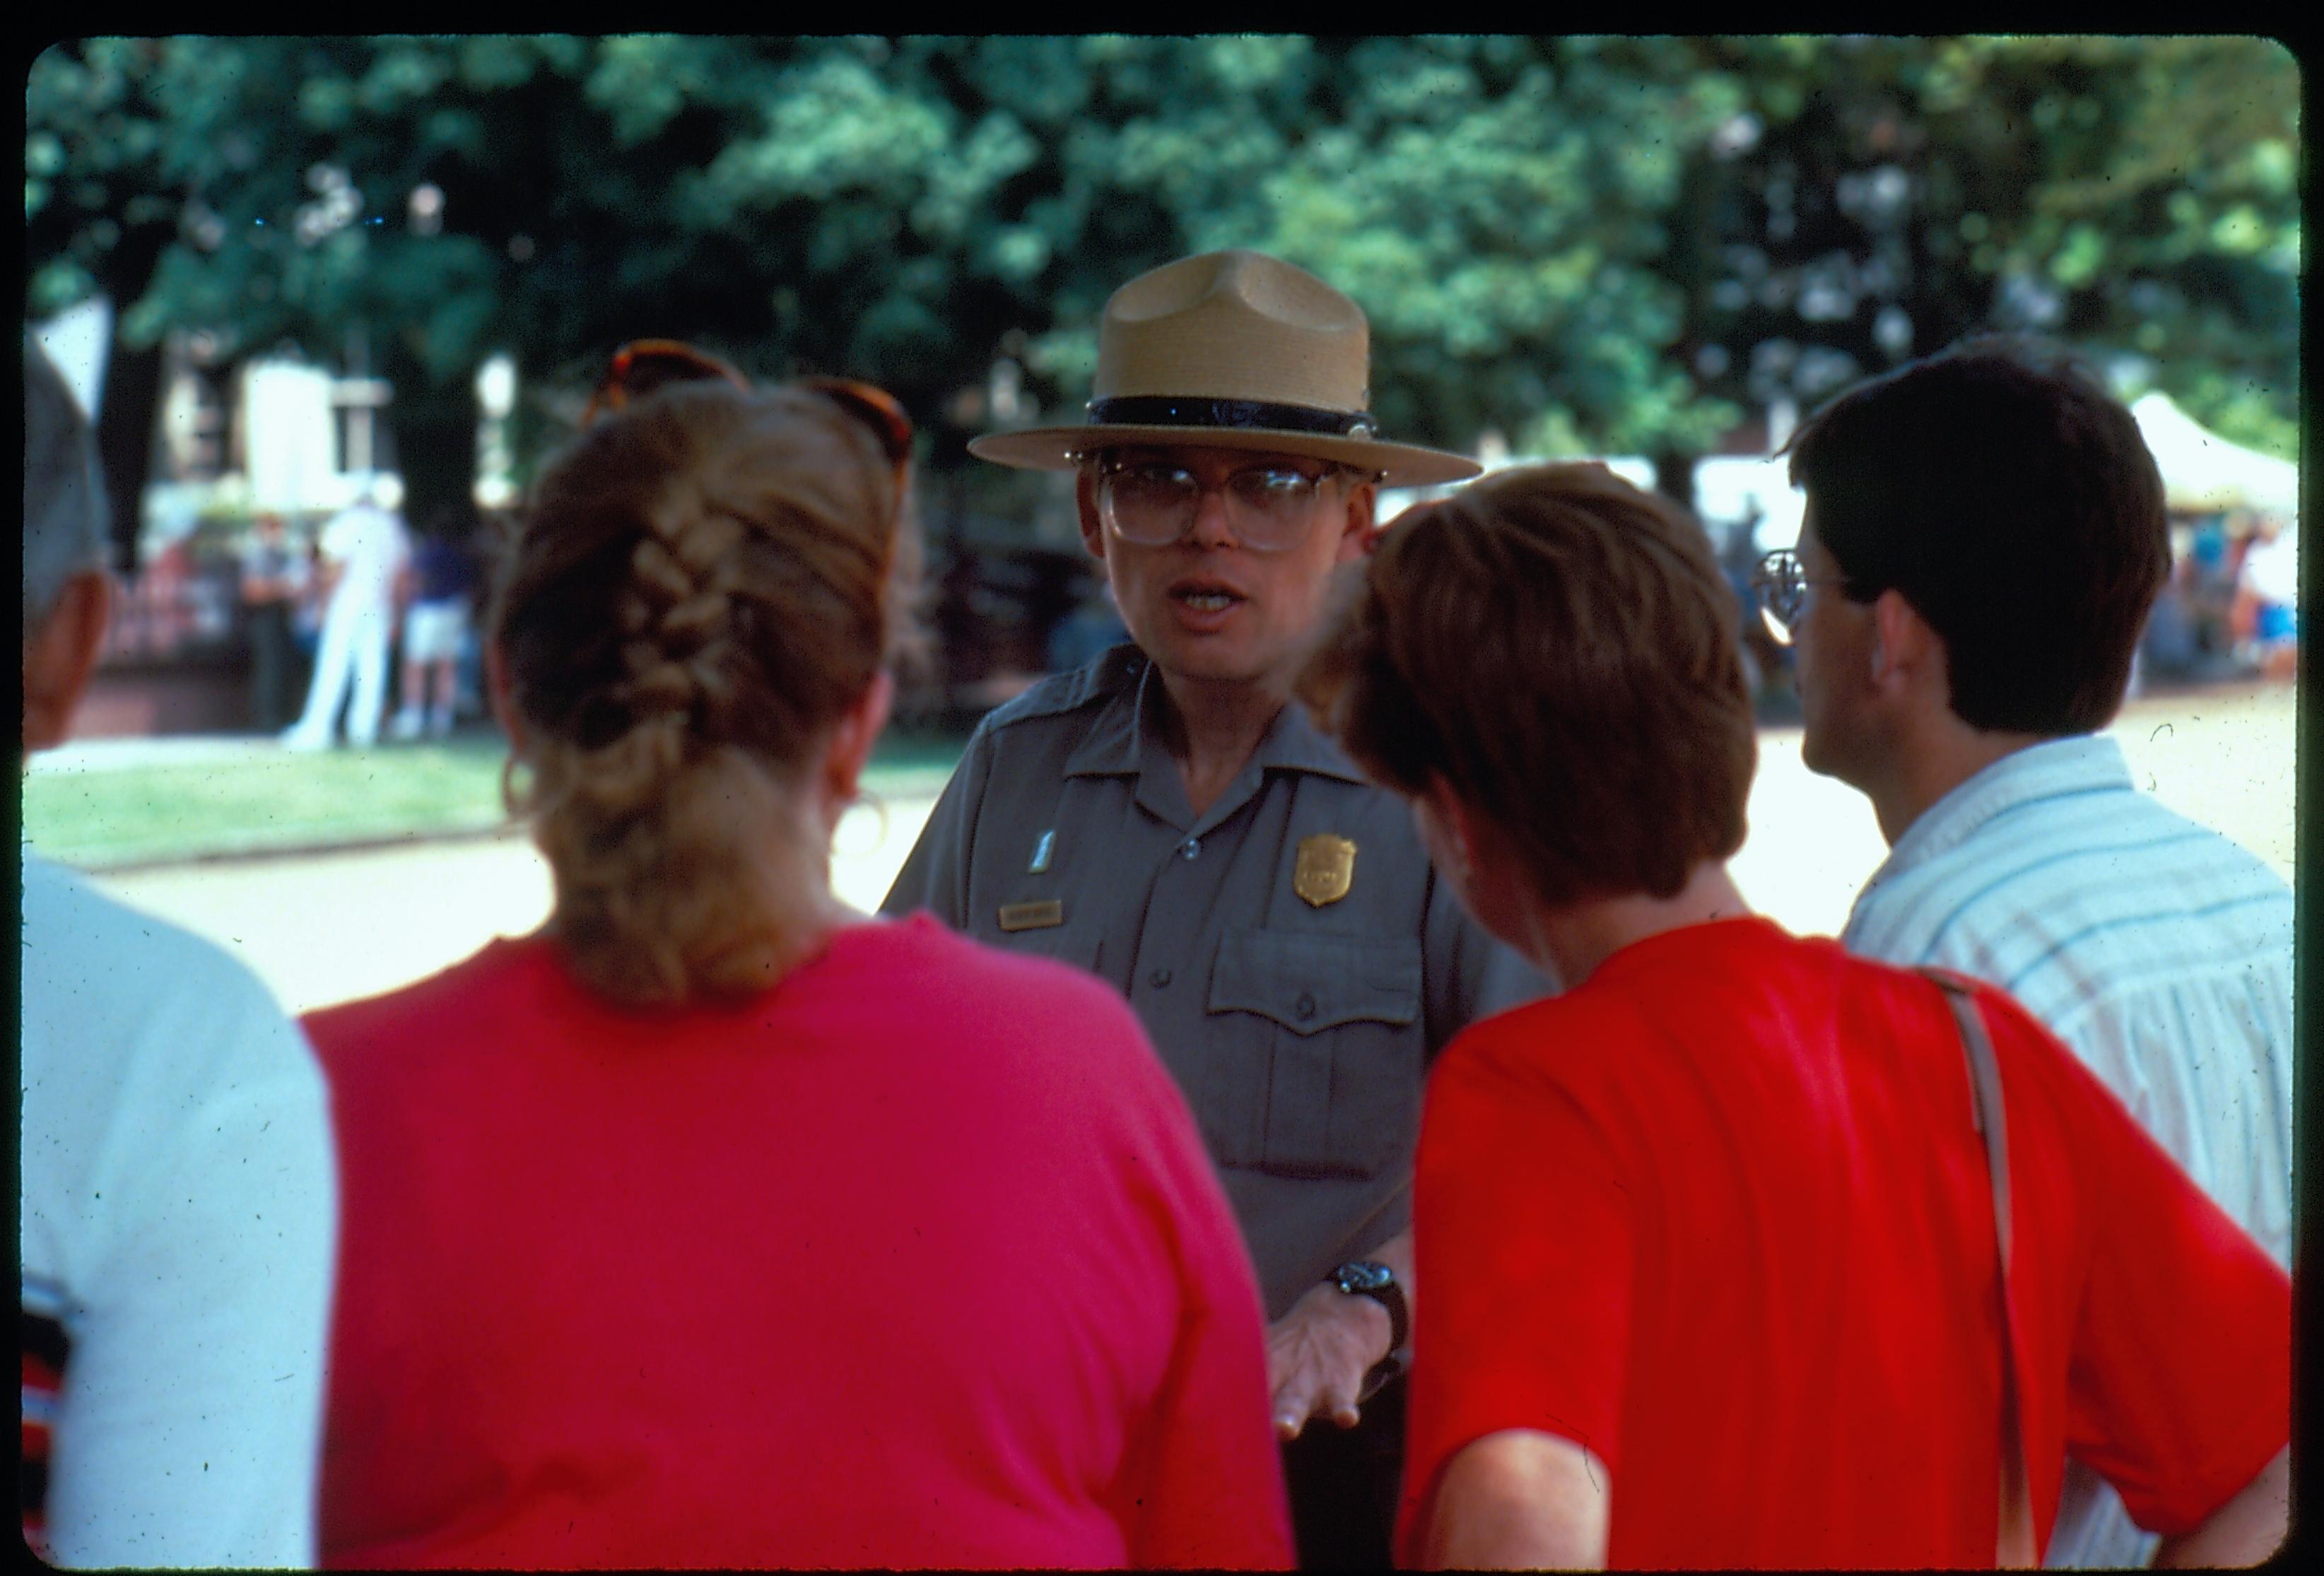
330,928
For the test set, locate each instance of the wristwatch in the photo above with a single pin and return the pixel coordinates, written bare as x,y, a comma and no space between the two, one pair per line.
1366,1278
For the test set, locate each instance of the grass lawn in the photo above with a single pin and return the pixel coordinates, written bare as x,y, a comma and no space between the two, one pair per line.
106,815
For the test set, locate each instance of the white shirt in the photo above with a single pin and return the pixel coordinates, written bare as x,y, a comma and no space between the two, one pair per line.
179,1218
370,546
2272,569
2155,947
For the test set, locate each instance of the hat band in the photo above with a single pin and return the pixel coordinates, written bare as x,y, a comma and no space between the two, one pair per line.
1161,410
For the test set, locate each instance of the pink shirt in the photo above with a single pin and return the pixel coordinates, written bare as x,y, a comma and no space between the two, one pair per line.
915,1259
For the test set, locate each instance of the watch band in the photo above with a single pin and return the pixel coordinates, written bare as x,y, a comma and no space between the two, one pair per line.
1364,1277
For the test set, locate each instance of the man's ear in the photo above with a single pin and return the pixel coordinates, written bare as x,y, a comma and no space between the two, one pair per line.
1904,649
1085,506
60,656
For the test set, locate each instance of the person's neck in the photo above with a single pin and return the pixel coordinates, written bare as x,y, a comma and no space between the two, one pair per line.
1212,727
1943,755
1568,941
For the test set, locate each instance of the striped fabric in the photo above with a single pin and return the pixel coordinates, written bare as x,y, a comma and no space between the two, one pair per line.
46,1347
2157,949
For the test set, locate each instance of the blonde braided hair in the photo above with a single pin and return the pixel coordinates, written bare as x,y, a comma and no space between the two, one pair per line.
703,585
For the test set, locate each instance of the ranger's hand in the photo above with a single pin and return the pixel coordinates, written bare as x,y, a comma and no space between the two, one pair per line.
1318,1354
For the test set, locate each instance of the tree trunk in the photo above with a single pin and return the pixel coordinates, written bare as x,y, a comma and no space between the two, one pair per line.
125,437
1674,477
129,408
435,451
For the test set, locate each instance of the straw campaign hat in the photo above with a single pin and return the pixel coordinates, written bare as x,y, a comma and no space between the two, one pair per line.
1232,350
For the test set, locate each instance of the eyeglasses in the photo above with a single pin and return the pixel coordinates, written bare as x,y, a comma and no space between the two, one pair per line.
642,366
1781,582
1155,503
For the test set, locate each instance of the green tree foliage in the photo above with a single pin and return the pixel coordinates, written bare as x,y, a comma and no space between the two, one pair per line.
1591,244
1875,198
1496,204
104,186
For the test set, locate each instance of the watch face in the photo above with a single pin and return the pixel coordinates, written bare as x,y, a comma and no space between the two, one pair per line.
1365,1277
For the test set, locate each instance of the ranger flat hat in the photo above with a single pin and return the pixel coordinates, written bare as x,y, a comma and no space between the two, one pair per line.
1232,350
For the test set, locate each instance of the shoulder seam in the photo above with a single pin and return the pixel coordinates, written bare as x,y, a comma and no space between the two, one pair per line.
1054,695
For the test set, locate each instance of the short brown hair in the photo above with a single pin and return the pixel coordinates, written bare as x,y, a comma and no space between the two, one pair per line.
1561,649
702,585
2010,500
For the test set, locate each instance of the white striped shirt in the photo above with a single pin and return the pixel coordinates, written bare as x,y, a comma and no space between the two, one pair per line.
2157,949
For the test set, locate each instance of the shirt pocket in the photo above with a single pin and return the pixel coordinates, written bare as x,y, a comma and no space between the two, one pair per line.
1334,1025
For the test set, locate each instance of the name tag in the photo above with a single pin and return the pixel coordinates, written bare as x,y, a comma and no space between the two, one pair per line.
1032,915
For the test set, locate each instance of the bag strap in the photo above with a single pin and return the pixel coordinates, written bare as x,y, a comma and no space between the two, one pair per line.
2014,1543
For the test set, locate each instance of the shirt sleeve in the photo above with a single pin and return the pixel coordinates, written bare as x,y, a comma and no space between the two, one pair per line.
935,874
1526,1241
2180,1383
191,1406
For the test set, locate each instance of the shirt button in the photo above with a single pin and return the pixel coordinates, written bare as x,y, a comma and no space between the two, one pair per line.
1159,978
1304,1008
1191,847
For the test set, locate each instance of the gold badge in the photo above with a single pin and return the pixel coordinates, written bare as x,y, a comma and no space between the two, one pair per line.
1325,869
1032,915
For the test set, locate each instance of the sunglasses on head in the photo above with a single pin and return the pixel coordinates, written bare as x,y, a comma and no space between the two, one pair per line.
875,409
644,365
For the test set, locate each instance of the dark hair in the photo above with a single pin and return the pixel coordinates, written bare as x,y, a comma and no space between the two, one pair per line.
703,585
1561,649
2000,490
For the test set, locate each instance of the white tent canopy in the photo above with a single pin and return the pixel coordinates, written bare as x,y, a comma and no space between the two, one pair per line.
2203,472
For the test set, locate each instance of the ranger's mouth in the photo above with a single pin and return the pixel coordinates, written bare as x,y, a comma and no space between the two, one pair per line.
1206,595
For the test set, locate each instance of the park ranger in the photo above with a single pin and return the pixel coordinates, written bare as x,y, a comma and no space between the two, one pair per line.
1162,817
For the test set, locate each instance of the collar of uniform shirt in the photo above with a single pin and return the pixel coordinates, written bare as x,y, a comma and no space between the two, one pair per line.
1117,738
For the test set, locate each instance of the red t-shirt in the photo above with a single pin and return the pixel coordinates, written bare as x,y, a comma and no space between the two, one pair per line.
1721,1216
915,1259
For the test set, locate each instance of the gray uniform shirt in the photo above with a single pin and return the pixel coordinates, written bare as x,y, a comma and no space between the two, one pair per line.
1300,1030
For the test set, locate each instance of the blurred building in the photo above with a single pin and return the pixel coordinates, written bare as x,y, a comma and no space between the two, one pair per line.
273,434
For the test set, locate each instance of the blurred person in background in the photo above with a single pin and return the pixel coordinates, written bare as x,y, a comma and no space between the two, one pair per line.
1720,1269
1089,629
1164,818
1984,535
307,623
274,580
179,1206
2269,578
363,548
715,1224
438,585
